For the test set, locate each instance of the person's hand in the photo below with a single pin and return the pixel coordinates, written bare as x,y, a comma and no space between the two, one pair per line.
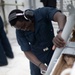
58,41
43,68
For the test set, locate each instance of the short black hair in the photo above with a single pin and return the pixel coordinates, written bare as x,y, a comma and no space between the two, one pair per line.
20,18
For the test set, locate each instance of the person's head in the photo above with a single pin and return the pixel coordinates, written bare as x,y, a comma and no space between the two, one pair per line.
21,20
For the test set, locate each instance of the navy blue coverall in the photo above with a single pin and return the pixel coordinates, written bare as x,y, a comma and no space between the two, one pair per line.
39,41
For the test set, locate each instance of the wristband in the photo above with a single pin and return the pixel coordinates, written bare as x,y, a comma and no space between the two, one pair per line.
39,64
60,30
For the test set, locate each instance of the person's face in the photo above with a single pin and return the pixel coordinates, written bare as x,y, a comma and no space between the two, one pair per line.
24,25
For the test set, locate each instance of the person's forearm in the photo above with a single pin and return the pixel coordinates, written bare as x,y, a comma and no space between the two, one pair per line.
32,58
35,60
61,19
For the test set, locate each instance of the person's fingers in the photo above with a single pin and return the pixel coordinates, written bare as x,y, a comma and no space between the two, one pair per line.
58,41
54,47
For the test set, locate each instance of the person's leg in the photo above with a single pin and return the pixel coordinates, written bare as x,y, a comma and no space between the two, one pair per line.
3,59
6,44
51,3
34,69
4,40
44,2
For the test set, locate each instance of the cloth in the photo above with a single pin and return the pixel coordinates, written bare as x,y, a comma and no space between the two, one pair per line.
5,47
39,41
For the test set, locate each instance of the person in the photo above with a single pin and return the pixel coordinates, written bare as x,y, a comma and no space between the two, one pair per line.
35,33
49,3
5,47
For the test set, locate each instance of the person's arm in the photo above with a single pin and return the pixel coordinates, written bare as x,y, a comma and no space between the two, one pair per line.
35,60
27,50
61,20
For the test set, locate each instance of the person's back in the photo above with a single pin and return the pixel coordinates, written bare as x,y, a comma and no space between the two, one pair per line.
5,47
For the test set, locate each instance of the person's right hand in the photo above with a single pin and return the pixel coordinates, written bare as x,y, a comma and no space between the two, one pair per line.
58,41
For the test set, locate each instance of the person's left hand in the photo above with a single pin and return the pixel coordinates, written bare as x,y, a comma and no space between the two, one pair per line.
58,41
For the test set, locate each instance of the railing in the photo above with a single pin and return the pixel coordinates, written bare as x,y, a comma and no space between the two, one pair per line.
3,4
